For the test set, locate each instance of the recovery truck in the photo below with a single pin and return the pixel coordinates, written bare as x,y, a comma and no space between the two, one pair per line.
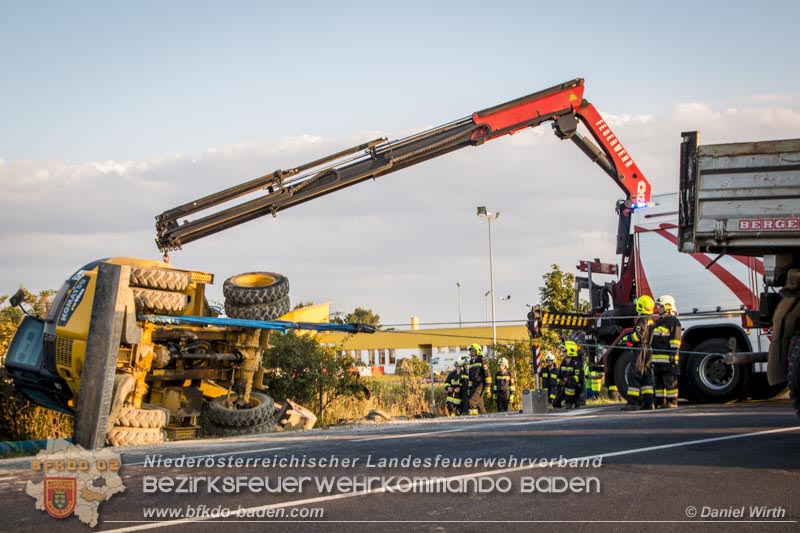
743,199
154,348
716,299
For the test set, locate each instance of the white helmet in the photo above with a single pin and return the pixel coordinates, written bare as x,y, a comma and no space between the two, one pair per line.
503,361
550,357
668,303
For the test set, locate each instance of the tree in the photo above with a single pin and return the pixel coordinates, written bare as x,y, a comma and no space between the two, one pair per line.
306,372
557,295
301,305
558,292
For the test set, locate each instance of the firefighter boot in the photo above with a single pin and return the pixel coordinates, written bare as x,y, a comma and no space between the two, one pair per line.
672,403
647,403
632,405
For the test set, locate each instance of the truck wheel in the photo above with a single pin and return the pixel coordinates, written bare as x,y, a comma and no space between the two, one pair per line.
624,362
709,377
125,436
159,278
255,288
230,431
159,301
267,311
794,372
149,416
261,411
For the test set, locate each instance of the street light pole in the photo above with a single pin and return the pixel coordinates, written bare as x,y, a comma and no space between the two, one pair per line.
486,306
483,213
458,285
505,299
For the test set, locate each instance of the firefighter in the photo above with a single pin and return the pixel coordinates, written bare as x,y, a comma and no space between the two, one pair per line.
548,376
504,386
666,344
480,380
571,374
463,381
593,382
640,372
453,386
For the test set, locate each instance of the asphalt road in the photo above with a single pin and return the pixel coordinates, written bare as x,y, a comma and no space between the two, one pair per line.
595,468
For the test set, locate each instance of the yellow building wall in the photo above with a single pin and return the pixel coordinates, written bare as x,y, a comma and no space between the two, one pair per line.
435,338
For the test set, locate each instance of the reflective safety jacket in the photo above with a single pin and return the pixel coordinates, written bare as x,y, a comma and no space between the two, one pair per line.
570,372
642,336
479,376
549,376
666,340
453,384
504,385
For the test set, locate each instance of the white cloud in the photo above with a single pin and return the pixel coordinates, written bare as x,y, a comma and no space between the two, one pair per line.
397,245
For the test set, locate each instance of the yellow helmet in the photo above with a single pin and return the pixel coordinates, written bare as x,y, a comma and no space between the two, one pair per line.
645,305
570,348
477,348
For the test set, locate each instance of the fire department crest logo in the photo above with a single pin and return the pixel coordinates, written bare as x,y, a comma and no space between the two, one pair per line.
76,481
60,496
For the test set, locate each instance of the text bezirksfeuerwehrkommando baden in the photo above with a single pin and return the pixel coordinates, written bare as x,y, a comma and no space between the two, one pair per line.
333,461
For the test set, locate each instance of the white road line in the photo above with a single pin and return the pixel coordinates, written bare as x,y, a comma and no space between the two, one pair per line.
7,478
408,486
488,423
184,456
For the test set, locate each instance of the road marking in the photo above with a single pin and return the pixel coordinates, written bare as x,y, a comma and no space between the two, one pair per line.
408,486
6,478
184,456
494,424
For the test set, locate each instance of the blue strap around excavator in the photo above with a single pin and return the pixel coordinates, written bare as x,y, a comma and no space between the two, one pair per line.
279,325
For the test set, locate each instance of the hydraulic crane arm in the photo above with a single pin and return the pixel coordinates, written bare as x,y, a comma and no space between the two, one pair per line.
563,105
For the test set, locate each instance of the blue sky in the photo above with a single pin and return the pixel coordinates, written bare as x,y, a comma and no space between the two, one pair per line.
115,111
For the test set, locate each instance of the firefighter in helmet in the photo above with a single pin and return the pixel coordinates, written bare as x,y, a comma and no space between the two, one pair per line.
640,372
480,380
548,377
453,386
463,381
571,374
504,386
666,344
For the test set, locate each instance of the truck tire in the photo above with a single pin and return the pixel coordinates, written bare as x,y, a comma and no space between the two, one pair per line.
149,416
254,288
215,430
709,377
126,436
159,278
794,372
267,311
261,411
624,362
159,301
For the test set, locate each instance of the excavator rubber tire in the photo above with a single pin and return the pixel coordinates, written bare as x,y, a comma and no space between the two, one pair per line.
149,416
253,288
267,311
125,436
261,411
215,430
159,301
159,278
